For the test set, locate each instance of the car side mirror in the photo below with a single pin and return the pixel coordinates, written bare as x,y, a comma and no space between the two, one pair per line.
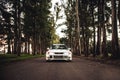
69,49
48,49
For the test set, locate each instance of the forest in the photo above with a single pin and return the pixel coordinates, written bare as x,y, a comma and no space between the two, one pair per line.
26,24
92,26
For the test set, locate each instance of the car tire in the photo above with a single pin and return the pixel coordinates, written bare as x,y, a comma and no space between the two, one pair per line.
47,60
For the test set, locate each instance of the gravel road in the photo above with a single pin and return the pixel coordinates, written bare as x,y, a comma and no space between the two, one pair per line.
78,69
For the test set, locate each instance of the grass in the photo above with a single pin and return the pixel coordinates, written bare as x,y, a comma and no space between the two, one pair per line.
7,58
102,59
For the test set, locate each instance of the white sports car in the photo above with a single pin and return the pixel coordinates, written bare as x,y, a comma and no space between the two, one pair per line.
58,52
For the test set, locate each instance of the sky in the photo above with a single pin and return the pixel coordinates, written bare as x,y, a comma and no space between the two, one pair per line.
58,30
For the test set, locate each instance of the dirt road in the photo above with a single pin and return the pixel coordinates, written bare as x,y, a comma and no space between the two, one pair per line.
78,69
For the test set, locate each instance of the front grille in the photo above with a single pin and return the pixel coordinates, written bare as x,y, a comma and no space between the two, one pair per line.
58,56
58,53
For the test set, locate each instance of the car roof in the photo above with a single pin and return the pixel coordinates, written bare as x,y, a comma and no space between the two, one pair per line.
58,44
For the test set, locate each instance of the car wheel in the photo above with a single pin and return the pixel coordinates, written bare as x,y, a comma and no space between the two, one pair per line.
47,60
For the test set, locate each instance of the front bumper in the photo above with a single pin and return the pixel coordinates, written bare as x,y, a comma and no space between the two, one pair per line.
58,57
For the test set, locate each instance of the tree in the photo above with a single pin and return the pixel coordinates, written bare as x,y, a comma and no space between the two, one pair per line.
92,7
70,13
101,38
28,22
119,11
115,45
6,23
103,30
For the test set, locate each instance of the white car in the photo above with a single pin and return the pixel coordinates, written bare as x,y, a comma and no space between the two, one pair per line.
58,52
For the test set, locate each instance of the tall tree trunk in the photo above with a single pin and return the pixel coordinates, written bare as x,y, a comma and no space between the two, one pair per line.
99,29
15,29
119,12
9,38
19,30
28,48
103,29
115,45
83,40
104,51
27,44
78,45
40,44
9,45
34,37
94,35
25,50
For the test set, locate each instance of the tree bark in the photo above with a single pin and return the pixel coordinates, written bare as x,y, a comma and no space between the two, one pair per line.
99,28
115,45
103,30
15,29
119,12
78,45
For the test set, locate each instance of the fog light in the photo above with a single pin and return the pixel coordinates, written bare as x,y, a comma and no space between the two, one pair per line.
50,56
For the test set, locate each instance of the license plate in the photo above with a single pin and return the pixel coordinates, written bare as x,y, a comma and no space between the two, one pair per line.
58,56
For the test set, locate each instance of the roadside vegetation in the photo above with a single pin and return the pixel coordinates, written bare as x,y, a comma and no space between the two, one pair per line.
26,26
8,58
93,27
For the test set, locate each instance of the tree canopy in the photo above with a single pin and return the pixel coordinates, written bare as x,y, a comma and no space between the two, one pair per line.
97,22
26,25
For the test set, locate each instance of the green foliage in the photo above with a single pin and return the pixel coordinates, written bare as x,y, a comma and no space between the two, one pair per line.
27,21
64,40
95,23
7,58
38,25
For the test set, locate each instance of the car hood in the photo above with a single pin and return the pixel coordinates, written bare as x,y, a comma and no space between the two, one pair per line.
58,50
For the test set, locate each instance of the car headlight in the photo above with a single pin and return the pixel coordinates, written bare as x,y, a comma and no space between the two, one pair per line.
49,52
68,52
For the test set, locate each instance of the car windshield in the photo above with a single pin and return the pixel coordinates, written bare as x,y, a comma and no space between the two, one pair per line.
58,47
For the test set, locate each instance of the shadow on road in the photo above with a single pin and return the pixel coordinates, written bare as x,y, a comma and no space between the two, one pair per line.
53,61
